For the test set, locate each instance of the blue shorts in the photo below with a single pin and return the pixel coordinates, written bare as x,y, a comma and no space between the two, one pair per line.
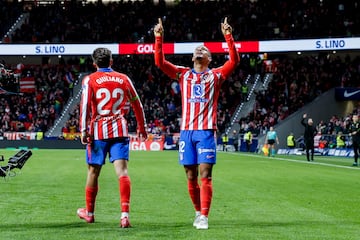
96,152
197,146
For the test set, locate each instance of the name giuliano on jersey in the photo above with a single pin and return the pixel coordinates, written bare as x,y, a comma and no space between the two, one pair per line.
106,99
199,91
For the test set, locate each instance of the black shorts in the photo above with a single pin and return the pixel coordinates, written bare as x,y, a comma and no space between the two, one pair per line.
271,141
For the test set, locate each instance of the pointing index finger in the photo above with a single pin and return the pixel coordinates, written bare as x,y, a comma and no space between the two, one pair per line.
225,20
160,21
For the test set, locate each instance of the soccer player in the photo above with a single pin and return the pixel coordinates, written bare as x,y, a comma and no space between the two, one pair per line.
200,88
106,99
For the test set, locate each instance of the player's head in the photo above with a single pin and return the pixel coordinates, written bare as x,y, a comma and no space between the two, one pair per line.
102,57
310,121
201,55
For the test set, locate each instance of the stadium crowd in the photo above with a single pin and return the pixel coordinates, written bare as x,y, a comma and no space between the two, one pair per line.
131,21
296,80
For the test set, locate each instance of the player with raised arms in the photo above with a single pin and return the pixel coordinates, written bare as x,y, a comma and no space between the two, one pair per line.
200,88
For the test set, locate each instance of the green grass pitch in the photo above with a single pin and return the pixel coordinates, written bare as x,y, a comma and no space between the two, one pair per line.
255,197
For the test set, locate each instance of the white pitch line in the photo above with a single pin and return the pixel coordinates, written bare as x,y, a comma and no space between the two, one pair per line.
297,161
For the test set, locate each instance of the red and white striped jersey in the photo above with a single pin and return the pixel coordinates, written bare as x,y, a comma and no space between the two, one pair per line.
106,99
199,91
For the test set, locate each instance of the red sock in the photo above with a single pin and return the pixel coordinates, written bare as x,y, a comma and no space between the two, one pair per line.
194,192
125,190
206,195
90,196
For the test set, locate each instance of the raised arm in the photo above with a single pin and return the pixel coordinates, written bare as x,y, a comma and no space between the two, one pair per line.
234,59
167,67
303,120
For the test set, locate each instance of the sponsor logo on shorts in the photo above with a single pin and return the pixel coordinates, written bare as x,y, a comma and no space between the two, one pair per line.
205,150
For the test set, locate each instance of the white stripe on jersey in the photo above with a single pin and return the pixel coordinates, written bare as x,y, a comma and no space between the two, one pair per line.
211,102
192,105
124,127
115,128
184,100
105,130
96,132
85,88
204,111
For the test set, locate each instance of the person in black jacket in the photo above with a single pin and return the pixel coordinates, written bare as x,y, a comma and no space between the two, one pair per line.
355,134
309,133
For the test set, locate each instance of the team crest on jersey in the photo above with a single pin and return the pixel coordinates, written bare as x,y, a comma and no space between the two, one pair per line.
206,77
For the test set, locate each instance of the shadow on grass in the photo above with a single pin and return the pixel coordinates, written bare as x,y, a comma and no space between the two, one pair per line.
223,230
37,225
155,226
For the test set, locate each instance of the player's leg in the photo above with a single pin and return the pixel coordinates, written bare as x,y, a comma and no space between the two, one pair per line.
119,156
194,189
356,153
312,151
307,146
124,181
95,160
206,155
206,193
187,158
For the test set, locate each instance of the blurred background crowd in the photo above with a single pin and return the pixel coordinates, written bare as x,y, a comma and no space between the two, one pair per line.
297,79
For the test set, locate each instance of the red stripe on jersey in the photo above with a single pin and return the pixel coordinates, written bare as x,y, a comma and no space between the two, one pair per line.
199,91
105,100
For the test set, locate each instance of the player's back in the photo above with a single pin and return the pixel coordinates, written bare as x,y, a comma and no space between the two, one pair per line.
109,103
109,93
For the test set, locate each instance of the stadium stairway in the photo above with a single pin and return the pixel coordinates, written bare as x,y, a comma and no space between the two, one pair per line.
244,108
56,129
16,25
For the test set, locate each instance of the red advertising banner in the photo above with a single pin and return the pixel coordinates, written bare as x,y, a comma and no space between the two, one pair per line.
222,47
170,48
144,48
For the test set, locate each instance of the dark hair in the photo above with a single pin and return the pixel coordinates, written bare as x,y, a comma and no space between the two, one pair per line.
102,57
